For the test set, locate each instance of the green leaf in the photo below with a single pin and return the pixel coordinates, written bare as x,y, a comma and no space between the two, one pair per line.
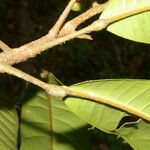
137,135
136,27
8,129
54,129
8,123
132,94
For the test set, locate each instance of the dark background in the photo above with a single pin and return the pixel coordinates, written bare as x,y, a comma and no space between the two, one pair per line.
107,56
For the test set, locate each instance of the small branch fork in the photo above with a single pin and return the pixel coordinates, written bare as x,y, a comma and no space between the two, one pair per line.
56,36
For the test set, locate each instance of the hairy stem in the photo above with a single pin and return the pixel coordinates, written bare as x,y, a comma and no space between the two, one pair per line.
4,47
36,47
51,89
71,25
12,56
54,31
30,50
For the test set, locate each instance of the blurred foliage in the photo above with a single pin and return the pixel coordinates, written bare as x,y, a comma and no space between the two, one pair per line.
107,56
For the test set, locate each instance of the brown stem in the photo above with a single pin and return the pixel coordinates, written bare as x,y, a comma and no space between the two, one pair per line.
36,47
32,49
71,25
4,47
55,29
51,89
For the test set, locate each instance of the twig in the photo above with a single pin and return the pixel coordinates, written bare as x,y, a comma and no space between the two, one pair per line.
55,29
36,47
32,49
4,47
71,25
52,89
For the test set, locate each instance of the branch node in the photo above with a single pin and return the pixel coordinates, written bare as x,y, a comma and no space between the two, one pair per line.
57,91
100,24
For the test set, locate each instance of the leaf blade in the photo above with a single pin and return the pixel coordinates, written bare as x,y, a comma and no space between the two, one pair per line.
67,131
136,27
132,92
8,129
137,135
125,92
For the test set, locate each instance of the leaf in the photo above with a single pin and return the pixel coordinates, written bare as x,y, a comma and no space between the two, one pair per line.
8,123
57,129
136,27
137,135
133,94
8,129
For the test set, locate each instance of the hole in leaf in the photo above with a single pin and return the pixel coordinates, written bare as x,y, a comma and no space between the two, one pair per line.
128,120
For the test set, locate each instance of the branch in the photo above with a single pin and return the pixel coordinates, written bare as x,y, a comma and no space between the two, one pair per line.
33,48
63,91
12,56
30,50
52,89
51,35
55,29
36,47
71,25
4,47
